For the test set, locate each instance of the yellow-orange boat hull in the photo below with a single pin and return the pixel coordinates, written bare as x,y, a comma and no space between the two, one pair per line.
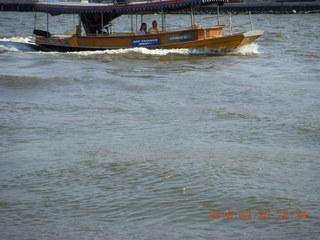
191,38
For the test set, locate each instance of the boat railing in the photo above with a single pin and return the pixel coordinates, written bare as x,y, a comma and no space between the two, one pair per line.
232,27
228,23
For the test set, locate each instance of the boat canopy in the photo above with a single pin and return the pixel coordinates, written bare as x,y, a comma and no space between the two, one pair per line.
122,7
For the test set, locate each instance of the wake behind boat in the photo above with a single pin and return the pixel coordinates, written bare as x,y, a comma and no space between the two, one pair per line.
94,31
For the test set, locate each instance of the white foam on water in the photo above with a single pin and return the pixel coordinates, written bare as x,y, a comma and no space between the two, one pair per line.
8,49
15,44
154,52
17,39
250,49
144,51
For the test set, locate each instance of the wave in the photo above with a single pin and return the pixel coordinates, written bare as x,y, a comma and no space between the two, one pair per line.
25,44
142,51
4,49
17,39
16,44
250,49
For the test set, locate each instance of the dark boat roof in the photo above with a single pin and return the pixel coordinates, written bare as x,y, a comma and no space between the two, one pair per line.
126,8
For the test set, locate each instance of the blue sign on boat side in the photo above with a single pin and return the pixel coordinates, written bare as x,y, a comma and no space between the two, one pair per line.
145,42
181,37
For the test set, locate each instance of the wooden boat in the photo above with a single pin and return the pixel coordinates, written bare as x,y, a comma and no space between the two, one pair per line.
101,38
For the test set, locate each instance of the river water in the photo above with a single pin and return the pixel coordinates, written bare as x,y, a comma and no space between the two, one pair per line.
151,144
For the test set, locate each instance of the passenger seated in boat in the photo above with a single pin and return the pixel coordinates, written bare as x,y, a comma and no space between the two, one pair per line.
154,28
95,24
143,28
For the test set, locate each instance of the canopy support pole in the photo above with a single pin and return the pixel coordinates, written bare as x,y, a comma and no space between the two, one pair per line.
164,20
73,20
47,22
136,23
102,24
79,24
251,20
193,20
110,25
35,20
218,14
231,26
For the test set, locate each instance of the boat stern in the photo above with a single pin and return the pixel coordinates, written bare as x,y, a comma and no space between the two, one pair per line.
55,42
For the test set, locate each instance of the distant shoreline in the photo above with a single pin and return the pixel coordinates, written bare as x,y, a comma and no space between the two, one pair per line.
264,9
228,8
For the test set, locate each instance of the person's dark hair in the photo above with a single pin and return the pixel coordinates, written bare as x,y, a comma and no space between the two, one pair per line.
143,24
